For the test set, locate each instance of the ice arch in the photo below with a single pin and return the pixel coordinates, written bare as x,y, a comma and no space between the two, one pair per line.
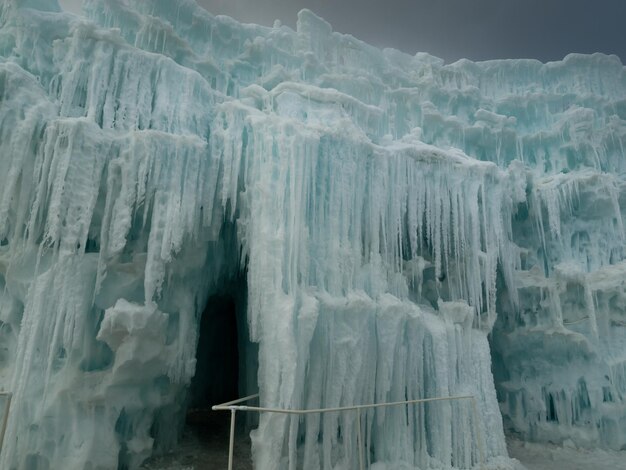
387,210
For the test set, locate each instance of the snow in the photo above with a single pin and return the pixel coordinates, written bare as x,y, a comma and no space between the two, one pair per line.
404,227
547,456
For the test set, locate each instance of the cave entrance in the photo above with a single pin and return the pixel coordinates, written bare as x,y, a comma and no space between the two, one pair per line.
217,356
226,368
226,359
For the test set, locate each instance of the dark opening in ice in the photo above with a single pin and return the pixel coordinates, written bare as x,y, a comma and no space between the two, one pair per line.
226,364
217,368
226,369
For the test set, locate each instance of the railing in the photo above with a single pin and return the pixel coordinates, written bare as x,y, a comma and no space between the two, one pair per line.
5,418
234,406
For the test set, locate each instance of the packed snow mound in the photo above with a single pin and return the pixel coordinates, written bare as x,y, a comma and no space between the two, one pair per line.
388,212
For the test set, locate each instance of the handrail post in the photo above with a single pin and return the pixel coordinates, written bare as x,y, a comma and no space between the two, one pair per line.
479,435
5,418
231,444
359,438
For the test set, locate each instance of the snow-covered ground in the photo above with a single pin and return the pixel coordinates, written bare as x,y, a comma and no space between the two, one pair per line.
551,457
204,446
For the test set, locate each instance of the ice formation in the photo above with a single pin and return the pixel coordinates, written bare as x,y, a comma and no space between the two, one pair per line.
387,224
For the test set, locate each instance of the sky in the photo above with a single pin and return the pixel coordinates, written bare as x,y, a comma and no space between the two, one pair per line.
453,29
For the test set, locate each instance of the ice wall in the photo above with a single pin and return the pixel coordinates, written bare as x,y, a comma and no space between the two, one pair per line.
388,210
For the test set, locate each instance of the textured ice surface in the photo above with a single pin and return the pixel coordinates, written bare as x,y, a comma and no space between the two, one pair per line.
546,456
388,212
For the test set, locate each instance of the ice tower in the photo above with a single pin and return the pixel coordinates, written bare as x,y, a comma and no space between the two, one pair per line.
381,226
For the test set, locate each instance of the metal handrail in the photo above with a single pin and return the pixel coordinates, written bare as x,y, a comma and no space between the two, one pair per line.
234,406
5,419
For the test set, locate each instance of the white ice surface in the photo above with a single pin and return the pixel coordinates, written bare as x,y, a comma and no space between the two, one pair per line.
389,212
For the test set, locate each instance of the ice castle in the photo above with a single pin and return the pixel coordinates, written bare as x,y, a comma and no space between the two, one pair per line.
383,227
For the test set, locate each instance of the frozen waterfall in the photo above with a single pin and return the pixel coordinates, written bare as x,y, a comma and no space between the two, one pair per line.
383,226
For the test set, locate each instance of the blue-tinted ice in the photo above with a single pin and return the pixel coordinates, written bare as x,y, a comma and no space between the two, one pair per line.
389,213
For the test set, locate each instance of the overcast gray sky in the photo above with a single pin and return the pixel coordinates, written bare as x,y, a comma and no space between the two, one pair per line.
452,29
